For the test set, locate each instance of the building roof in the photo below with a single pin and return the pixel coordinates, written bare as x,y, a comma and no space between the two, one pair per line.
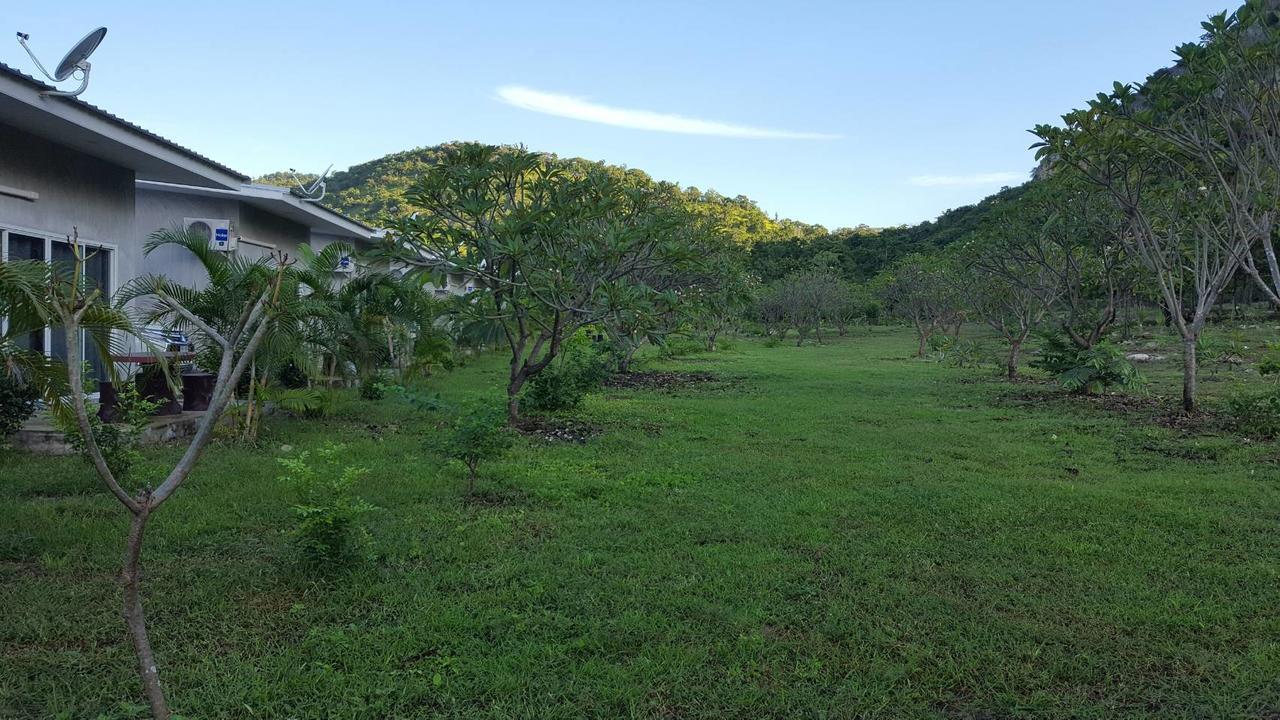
90,129
278,201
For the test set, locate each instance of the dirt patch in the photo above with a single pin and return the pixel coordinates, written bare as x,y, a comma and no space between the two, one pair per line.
1159,411
1105,402
557,429
1200,422
660,380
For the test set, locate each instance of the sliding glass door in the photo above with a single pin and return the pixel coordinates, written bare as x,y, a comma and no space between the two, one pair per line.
97,273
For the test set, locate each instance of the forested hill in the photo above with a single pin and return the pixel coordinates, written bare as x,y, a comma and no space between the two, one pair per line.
375,191
859,253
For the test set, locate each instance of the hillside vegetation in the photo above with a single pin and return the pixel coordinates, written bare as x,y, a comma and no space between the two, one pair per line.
376,192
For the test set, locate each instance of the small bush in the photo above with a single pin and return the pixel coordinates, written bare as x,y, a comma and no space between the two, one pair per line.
328,531
311,403
478,434
372,388
431,350
566,381
1269,364
1255,413
118,441
421,401
292,377
939,343
681,347
17,403
956,352
1085,371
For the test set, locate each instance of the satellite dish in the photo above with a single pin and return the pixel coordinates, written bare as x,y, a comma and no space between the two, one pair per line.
75,61
79,54
313,191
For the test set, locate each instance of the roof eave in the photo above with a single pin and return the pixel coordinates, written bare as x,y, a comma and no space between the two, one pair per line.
95,132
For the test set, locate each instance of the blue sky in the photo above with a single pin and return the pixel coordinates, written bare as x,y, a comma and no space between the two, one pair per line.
872,111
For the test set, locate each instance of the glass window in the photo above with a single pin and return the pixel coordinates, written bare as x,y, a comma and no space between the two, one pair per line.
96,273
26,247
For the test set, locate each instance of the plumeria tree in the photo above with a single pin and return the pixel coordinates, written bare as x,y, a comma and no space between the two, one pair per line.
917,288
247,299
542,241
1188,159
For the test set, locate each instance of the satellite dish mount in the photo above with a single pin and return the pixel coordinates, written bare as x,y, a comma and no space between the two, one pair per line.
74,64
315,190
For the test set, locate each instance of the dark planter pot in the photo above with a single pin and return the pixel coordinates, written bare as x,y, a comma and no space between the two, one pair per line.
152,386
197,391
108,406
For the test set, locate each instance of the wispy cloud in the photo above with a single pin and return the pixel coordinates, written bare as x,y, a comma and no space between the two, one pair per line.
580,109
995,178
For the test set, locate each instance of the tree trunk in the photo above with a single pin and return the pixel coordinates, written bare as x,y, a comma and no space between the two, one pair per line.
1189,375
711,342
513,395
248,403
924,339
131,578
1011,365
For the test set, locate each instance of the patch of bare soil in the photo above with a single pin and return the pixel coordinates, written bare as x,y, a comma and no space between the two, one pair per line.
1200,422
659,380
1105,402
1156,410
556,429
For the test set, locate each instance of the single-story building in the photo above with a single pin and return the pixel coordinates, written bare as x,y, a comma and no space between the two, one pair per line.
65,164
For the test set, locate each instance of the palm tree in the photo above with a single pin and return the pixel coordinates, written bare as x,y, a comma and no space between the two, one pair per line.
374,319
28,289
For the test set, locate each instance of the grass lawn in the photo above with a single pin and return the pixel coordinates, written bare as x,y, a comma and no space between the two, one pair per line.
833,531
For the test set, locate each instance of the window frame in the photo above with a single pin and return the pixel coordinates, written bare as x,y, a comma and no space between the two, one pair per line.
49,239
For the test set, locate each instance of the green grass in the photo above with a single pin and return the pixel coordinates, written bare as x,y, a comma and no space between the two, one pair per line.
837,532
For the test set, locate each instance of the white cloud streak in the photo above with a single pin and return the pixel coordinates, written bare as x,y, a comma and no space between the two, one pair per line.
996,178
587,111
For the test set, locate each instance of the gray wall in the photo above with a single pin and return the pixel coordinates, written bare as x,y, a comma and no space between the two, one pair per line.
163,210
75,190
257,229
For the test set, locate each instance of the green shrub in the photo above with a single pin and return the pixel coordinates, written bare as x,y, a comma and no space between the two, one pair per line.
1269,364
421,401
17,403
328,531
1085,371
676,347
939,343
311,403
966,354
372,388
873,312
957,352
432,349
118,441
563,384
478,434
292,377
1254,412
